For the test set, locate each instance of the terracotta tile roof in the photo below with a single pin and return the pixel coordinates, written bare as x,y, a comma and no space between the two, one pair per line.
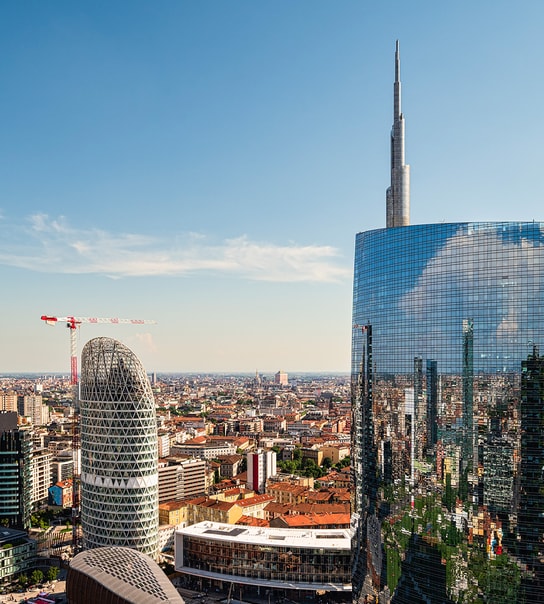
252,521
172,505
316,520
255,500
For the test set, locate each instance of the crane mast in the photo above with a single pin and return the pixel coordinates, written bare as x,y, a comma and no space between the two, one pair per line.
72,323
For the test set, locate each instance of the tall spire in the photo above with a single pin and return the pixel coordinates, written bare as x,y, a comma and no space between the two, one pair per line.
398,194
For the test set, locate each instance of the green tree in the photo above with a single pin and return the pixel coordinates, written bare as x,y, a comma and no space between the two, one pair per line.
36,576
23,580
53,573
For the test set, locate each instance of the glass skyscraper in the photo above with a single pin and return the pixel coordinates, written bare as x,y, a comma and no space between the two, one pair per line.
119,451
447,407
15,472
448,462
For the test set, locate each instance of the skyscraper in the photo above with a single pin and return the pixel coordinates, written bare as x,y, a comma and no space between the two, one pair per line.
119,459
398,194
465,301
15,472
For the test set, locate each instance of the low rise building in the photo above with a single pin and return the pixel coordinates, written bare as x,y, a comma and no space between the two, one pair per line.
173,512
17,553
298,560
204,509
61,493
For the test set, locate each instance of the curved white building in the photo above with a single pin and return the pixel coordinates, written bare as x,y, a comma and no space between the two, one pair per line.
119,473
274,558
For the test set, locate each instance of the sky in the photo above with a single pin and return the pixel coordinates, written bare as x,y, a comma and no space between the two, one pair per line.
207,164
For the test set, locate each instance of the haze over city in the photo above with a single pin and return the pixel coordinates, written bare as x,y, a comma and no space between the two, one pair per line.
207,165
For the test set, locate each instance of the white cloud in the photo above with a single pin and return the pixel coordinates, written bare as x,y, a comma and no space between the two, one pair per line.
53,246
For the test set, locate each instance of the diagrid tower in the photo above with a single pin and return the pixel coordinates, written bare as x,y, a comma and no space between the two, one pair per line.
398,194
119,474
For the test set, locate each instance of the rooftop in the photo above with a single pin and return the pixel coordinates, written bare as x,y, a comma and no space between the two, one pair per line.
339,539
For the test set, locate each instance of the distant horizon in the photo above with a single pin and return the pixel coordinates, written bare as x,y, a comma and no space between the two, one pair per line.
66,375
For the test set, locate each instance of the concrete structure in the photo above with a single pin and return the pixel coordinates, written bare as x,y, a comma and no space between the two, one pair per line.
41,475
31,405
206,450
298,560
261,465
181,478
8,401
119,474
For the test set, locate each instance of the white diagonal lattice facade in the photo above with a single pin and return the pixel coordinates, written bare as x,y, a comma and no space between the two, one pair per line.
119,473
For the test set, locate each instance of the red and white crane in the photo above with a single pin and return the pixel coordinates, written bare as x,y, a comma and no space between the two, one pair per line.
72,323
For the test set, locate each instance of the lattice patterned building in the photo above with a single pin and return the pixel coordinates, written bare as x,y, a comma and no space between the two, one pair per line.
119,474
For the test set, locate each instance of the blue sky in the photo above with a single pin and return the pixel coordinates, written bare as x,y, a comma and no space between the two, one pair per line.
207,164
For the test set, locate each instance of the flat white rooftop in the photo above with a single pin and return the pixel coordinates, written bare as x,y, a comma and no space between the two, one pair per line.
338,539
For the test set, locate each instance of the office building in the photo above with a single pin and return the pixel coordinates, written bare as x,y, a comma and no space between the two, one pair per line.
17,554
295,560
181,478
31,405
15,472
445,316
119,474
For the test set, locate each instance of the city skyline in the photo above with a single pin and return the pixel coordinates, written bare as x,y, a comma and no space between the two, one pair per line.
206,167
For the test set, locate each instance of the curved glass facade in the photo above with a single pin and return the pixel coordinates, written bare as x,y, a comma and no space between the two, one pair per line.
119,457
448,421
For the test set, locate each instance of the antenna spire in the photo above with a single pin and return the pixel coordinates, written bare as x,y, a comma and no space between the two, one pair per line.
398,194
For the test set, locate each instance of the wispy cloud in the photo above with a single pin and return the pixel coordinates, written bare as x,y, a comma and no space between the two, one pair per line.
48,245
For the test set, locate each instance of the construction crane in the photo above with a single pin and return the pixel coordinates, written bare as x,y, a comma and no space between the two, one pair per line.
72,323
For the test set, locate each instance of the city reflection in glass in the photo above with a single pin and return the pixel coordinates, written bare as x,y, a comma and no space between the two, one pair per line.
448,420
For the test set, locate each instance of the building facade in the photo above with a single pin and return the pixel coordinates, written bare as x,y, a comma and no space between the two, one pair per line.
297,560
119,474
17,553
281,378
31,405
41,476
261,465
464,300
15,472
181,478
447,420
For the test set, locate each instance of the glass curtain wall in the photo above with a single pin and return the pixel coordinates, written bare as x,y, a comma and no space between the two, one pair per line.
448,421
